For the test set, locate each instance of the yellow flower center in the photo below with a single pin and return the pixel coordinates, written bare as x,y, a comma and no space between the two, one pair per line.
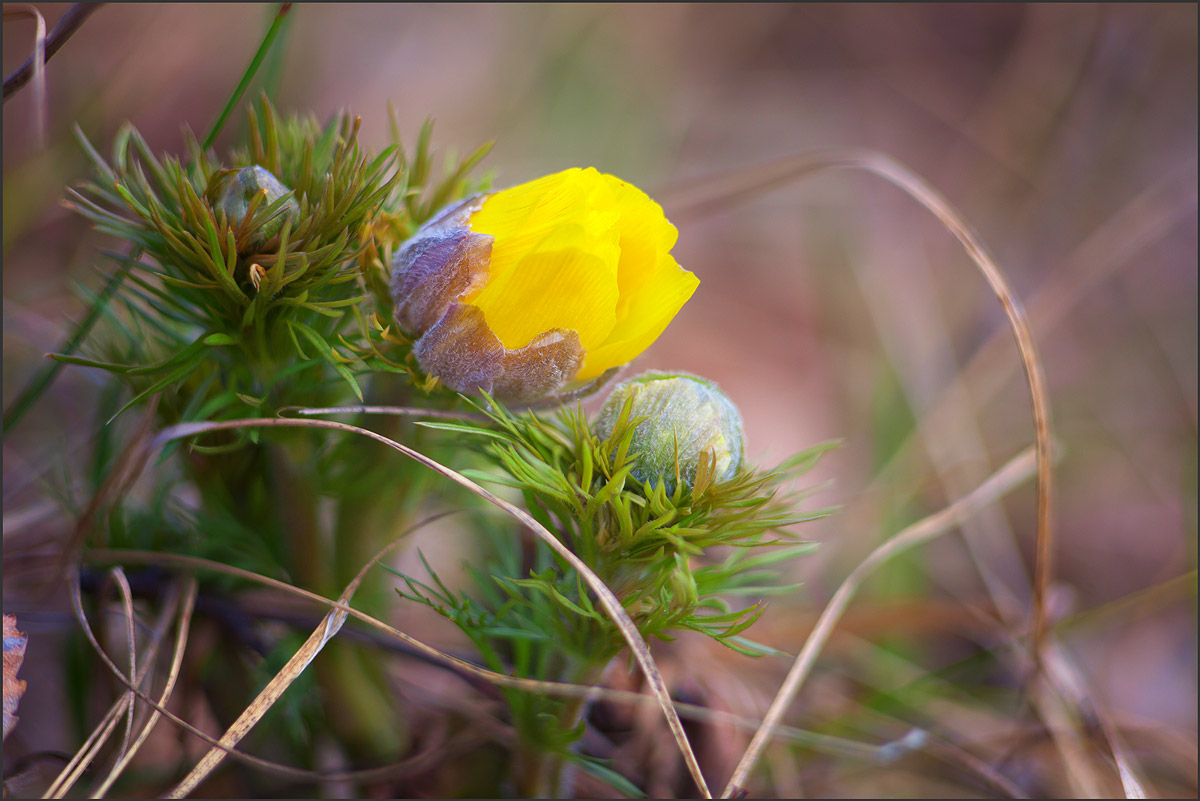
582,251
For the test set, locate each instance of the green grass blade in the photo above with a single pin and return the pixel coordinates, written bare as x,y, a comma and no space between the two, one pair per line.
45,377
248,76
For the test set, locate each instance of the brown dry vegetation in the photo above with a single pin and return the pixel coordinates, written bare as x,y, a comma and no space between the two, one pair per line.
829,307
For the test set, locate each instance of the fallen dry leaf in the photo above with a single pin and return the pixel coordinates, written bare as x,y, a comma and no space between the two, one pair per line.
14,655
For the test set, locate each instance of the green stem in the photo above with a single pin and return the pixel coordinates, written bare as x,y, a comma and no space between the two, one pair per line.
297,510
358,702
552,774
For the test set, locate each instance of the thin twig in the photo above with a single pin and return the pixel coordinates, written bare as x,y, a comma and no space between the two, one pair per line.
63,30
1019,469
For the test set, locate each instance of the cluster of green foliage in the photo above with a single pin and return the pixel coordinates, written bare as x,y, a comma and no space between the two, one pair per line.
289,305
674,561
249,316
208,318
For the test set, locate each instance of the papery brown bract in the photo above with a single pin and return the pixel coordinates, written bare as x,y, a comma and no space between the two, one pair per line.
442,262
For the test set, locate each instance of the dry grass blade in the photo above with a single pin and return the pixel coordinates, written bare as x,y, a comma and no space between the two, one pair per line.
158,558
1067,682
260,705
449,660
710,194
824,743
608,600
1018,470
330,626
836,746
87,752
404,411
38,67
118,576
1112,246
64,29
182,627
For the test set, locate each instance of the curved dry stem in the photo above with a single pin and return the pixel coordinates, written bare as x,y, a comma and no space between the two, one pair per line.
118,576
1110,248
63,30
181,638
1019,469
835,746
87,752
724,190
608,600
37,63
274,767
826,743
326,631
404,411
449,660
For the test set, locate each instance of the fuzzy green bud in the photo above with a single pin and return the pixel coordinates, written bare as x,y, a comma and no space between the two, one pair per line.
235,191
687,417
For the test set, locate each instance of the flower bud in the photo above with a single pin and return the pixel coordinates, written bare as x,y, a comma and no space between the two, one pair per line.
235,190
521,292
686,416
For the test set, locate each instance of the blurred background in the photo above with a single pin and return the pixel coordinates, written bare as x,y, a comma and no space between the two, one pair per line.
832,307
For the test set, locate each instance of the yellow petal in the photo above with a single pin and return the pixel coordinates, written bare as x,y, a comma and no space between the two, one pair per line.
647,313
568,281
646,236
521,217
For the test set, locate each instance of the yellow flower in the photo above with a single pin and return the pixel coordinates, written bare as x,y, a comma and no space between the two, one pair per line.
524,291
